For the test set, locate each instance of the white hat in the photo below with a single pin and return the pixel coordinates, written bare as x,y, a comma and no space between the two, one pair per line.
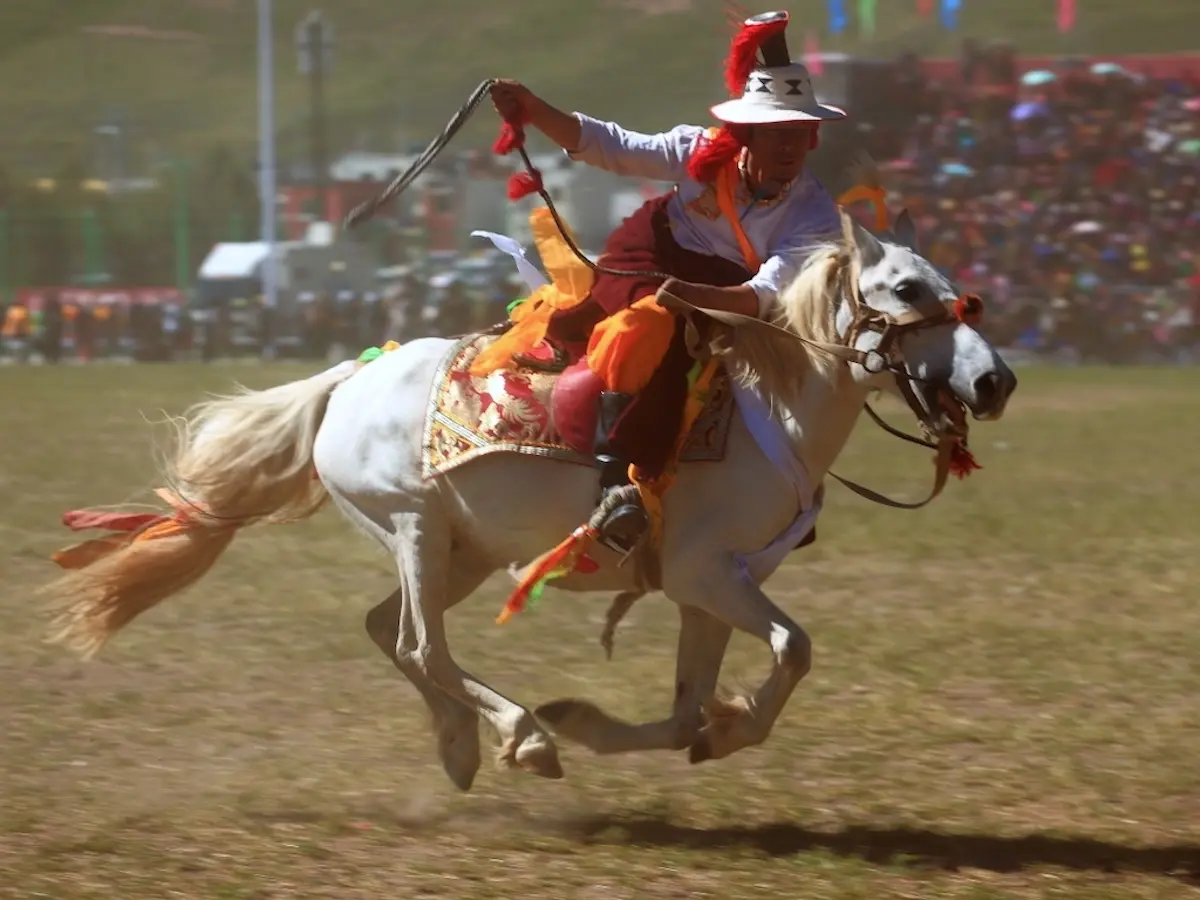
774,91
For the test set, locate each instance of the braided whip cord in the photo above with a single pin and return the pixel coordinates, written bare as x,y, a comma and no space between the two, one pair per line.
513,138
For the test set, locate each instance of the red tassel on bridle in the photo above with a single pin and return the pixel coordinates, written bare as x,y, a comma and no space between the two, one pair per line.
512,137
962,461
968,309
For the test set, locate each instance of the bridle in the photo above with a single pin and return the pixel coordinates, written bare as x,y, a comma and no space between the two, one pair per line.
949,444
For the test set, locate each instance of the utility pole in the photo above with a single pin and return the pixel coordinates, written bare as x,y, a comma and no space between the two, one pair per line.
5,275
183,275
266,167
314,45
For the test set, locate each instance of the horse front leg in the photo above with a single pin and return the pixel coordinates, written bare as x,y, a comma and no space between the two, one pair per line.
702,644
719,587
423,553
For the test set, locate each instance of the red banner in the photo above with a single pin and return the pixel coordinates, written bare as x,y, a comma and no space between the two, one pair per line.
105,296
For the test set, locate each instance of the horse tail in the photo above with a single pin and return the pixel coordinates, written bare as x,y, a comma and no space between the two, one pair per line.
239,459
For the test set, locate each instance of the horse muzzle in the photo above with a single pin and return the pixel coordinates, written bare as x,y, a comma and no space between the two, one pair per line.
990,393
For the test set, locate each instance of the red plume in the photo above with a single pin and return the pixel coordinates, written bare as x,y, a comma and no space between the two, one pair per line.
743,52
713,154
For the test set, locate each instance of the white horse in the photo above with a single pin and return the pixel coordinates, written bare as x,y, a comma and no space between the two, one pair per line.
251,457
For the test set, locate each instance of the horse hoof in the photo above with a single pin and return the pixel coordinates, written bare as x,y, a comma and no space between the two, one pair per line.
701,750
461,769
462,779
540,758
460,756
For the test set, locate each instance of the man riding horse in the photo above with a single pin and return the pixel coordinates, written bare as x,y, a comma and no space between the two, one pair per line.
741,218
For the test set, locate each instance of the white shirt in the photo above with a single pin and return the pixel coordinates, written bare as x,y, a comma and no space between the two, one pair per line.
781,231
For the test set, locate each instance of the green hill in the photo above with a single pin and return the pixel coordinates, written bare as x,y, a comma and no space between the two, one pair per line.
181,74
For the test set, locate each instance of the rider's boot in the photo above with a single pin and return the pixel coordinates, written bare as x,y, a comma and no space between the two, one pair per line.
620,517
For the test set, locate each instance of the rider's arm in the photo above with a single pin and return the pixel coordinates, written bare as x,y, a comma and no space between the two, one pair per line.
817,220
608,146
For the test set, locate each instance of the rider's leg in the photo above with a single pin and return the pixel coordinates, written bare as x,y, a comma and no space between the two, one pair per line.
566,337
625,351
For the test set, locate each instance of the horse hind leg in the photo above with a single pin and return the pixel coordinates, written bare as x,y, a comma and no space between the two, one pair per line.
455,725
422,541
702,644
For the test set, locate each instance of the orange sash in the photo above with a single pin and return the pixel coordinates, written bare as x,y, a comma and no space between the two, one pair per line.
726,187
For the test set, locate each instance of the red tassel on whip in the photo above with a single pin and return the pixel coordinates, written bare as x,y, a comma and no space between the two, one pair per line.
522,184
512,137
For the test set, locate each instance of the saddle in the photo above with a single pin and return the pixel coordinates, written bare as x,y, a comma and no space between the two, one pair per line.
532,412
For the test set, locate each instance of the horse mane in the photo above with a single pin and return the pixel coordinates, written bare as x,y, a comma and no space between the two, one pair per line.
778,364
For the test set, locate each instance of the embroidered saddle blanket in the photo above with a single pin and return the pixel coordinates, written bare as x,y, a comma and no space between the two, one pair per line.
512,411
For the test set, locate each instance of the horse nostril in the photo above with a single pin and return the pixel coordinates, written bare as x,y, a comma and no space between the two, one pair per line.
987,391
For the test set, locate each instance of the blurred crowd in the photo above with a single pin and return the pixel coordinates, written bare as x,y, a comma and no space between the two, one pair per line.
1067,197
309,326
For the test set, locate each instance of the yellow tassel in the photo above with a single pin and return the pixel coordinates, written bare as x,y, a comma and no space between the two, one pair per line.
875,195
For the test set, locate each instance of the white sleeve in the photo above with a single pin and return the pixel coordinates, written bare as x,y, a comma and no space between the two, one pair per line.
816,221
608,146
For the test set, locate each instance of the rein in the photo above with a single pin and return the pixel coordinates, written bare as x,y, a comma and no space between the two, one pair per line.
877,361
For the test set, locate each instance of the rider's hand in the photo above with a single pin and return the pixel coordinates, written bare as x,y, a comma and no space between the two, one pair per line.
673,287
512,100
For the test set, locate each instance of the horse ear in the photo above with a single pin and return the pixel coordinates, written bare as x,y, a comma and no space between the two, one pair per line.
870,251
905,230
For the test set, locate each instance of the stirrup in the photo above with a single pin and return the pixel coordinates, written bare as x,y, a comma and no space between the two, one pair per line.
621,519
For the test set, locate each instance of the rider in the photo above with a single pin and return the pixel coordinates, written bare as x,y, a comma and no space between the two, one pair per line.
741,216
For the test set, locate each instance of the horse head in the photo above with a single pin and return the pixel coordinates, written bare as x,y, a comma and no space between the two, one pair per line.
916,333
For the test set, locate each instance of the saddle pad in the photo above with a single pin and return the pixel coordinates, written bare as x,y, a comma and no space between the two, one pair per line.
508,411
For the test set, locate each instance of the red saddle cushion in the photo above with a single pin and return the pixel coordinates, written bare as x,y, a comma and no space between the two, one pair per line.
573,406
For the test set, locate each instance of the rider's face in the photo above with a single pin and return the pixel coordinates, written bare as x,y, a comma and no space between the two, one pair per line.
777,152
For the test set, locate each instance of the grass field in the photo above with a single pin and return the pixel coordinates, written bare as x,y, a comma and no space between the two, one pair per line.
181,76
1005,700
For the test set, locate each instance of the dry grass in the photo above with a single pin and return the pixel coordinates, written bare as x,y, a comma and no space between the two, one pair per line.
1004,700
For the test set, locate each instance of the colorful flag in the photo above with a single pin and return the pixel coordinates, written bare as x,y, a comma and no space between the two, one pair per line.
1066,15
866,16
950,10
812,53
837,16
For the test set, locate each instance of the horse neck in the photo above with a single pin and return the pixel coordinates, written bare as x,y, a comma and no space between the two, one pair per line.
819,415
819,420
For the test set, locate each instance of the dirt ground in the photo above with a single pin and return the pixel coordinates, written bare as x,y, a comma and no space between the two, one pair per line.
1005,700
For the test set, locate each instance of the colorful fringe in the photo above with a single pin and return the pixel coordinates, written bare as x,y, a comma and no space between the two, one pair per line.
373,353
560,561
128,528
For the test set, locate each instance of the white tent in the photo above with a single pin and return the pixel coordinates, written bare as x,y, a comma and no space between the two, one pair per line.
240,260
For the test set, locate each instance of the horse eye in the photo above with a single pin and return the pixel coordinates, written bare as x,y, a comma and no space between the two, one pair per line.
908,292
